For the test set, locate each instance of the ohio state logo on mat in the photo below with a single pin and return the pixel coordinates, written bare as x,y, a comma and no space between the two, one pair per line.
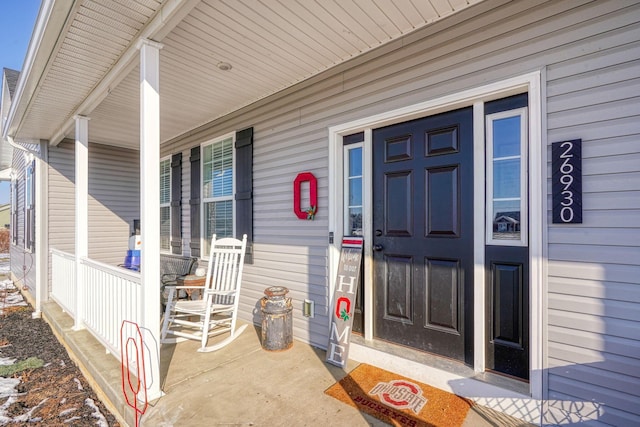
400,394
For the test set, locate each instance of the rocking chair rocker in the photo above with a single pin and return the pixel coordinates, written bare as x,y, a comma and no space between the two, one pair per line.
216,312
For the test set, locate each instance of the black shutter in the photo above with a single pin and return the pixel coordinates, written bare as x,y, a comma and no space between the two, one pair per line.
244,189
194,201
176,203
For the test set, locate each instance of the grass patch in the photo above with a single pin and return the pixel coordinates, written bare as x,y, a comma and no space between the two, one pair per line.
10,370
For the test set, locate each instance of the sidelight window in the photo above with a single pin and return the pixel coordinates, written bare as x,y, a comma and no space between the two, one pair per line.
353,184
507,177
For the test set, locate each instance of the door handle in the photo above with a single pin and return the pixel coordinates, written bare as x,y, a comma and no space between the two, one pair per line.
378,248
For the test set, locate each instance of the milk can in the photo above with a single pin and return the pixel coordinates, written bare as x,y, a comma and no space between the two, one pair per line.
277,321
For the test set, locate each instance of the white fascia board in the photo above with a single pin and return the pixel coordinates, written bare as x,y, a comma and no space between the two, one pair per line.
164,21
45,41
5,174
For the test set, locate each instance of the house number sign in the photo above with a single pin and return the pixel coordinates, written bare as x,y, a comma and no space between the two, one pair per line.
566,181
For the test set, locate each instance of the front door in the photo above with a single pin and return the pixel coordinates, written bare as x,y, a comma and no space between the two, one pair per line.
423,234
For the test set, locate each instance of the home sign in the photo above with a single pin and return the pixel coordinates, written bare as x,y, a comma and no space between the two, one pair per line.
344,299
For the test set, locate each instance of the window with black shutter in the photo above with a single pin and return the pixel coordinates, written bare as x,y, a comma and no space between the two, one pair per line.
217,167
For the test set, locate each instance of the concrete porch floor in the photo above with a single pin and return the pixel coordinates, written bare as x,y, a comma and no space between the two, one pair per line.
239,385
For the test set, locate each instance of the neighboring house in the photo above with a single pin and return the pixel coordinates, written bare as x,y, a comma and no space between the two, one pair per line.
5,215
7,91
420,121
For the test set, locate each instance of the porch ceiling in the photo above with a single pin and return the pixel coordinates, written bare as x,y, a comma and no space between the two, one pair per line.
270,46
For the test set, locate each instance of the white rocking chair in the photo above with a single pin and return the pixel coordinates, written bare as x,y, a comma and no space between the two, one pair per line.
216,312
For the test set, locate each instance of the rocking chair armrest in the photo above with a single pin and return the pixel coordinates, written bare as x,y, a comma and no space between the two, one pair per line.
216,292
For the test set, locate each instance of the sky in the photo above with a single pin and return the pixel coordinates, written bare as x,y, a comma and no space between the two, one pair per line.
17,18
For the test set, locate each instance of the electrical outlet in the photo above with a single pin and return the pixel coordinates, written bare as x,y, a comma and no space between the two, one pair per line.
308,308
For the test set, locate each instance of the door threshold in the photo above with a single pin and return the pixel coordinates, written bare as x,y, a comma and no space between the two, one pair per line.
394,357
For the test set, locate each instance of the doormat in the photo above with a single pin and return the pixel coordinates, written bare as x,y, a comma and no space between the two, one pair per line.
398,400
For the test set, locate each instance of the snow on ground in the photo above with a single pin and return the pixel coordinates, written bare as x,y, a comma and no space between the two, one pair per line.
8,385
4,264
9,299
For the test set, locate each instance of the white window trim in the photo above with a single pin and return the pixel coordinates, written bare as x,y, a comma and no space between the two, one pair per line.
164,205
203,200
533,84
524,184
347,148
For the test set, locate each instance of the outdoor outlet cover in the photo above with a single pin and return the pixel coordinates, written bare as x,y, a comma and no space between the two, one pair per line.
308,308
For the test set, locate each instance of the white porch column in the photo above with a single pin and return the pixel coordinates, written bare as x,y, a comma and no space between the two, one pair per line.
150,209
82,211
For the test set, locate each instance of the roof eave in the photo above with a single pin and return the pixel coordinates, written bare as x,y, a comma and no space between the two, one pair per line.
50,23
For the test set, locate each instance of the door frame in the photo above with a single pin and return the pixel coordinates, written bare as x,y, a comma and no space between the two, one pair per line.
537,160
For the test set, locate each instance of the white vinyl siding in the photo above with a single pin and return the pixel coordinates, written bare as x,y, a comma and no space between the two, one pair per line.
61,199
114,199
165,205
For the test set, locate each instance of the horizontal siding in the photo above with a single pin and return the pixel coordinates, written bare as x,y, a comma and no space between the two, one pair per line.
594,268
114,201
62,197
61,201
22,262
589,52
598,289
114,188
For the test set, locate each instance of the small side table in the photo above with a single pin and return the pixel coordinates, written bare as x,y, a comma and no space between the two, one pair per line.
192,280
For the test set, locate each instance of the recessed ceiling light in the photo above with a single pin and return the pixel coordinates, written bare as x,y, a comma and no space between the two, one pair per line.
224,66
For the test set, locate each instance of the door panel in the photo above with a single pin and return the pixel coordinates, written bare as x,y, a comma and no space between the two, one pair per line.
442,201
443,295
398,289
423,226
398,203
508,310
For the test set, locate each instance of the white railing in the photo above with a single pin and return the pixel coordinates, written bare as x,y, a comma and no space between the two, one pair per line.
63,280
111,295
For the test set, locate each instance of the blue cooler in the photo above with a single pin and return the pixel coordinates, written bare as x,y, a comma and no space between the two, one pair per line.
132,260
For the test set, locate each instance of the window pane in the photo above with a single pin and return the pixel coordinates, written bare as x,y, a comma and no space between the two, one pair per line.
506,178
506,220
355,222
217,169
165,227
355,162
506,137
355,192
218,219
165,181
506,203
